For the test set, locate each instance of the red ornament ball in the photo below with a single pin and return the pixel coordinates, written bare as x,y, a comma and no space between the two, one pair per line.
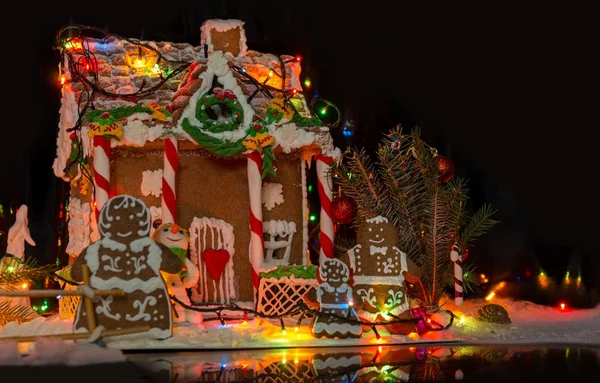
445,168
465,255
343,209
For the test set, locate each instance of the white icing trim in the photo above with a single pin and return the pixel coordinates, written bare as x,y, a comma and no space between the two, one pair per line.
333,362
124,201
129,286
378,219
331,328
69,113
282,229
378,280
217,65
217,234
78,226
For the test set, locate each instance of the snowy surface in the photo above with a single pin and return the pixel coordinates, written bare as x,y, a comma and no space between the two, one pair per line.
57,352
531,324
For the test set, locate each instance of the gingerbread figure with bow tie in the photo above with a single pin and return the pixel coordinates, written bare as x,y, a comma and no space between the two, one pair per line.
377,265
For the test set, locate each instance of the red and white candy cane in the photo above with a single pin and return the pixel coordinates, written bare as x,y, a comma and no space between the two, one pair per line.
101,165
458,274
256,230
325,184
170,168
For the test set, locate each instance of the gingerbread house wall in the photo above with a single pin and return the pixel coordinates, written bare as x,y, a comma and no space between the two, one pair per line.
218,188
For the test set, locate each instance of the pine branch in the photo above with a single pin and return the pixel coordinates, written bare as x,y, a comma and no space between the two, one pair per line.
14,271
403,201
16,313
357,177
342,245
479,224
469,278
458,197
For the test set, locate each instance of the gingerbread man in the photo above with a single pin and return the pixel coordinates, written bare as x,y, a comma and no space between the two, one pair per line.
333,296
127,258
377,266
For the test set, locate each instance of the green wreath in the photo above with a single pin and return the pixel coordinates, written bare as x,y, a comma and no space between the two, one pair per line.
219,97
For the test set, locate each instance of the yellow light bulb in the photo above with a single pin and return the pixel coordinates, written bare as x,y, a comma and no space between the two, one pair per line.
24,286
490,296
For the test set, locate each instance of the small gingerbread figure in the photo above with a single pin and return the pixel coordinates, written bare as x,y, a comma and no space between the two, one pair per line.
177,239
333,296
127,258
378,267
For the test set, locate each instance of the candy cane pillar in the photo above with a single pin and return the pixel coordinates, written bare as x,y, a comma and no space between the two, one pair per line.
170,168
325,184
101,165
458,274
256,230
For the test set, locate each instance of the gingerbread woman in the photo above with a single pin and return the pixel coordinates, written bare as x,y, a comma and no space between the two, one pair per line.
127,258
333,296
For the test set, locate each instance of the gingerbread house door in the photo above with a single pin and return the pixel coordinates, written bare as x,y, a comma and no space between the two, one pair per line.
212,250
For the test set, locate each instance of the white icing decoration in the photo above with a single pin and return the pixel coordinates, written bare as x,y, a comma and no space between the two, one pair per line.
113,263
154,252
222,26
104,308
155,132
378,250
216,234
272,195
378,219
152,182
343,328
148,301
289,136
69,113
395,298
388,266
135,133
137,262
218,66
125,202
337,362
129,285
278,231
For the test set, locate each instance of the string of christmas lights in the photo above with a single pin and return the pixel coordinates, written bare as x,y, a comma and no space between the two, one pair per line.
73,42
302,310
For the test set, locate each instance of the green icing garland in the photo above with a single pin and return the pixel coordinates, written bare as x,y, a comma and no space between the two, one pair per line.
117,113
213,145
220,97
297,271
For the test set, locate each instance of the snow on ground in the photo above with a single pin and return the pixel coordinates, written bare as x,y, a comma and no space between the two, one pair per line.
57,352
531,324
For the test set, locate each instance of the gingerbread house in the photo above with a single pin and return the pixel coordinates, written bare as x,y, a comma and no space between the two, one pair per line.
216,138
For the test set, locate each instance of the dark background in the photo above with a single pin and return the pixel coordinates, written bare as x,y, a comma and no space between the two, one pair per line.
508,92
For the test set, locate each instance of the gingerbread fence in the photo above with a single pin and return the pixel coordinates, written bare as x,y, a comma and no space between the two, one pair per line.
83,291
67,304
277,295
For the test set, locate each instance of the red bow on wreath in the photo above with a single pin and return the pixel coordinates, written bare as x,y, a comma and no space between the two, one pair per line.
221,94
